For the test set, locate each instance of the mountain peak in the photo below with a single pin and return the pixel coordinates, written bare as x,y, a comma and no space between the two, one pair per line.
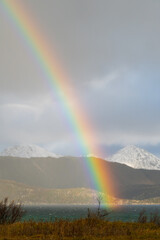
136,157
27,151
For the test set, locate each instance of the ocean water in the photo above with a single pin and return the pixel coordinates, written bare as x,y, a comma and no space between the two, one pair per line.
128,213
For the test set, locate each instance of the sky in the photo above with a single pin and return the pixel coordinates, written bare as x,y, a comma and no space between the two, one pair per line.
109,51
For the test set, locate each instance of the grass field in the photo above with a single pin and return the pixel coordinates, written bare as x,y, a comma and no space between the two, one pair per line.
83,229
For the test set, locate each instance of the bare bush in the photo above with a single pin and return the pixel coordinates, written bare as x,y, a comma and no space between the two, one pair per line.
100,213
142,216
10,212
154,217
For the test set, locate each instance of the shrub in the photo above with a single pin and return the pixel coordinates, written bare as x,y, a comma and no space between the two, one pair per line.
142,216
155,218
100,213
10,212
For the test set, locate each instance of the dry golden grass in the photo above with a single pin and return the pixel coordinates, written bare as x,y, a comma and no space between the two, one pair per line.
82,229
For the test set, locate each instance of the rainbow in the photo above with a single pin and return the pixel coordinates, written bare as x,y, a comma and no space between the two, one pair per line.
59,86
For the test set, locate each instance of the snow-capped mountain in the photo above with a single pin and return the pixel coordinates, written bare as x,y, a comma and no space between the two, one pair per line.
136,158
27,151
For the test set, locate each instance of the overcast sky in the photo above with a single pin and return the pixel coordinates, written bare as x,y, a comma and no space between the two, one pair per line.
110,49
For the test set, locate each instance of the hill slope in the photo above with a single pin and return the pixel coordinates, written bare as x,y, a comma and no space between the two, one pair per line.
71,172
32,195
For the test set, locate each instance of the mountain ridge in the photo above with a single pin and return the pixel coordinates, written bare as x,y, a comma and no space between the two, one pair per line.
48,173
137,158
27,151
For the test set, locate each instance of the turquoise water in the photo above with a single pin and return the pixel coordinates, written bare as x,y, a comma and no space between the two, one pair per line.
127,213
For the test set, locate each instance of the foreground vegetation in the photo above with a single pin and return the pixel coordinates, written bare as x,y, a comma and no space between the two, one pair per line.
94,227
83,229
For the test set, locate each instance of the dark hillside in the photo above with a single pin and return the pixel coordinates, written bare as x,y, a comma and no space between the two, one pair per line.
71,172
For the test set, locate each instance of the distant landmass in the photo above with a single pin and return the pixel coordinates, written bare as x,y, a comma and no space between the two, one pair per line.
131,155
28,195
34,195
66,180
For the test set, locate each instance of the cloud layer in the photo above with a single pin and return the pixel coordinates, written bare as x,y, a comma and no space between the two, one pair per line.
110,51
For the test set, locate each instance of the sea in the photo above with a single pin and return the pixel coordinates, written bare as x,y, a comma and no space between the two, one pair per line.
125,213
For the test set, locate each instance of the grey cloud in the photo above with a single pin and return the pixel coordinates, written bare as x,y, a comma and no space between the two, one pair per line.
91,38
110,51
94,37
25,123
126,110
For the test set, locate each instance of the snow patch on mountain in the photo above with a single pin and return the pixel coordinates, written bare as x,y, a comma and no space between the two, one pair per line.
27,151
90,155
136,157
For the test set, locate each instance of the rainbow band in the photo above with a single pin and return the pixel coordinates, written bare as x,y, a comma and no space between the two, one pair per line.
59,85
